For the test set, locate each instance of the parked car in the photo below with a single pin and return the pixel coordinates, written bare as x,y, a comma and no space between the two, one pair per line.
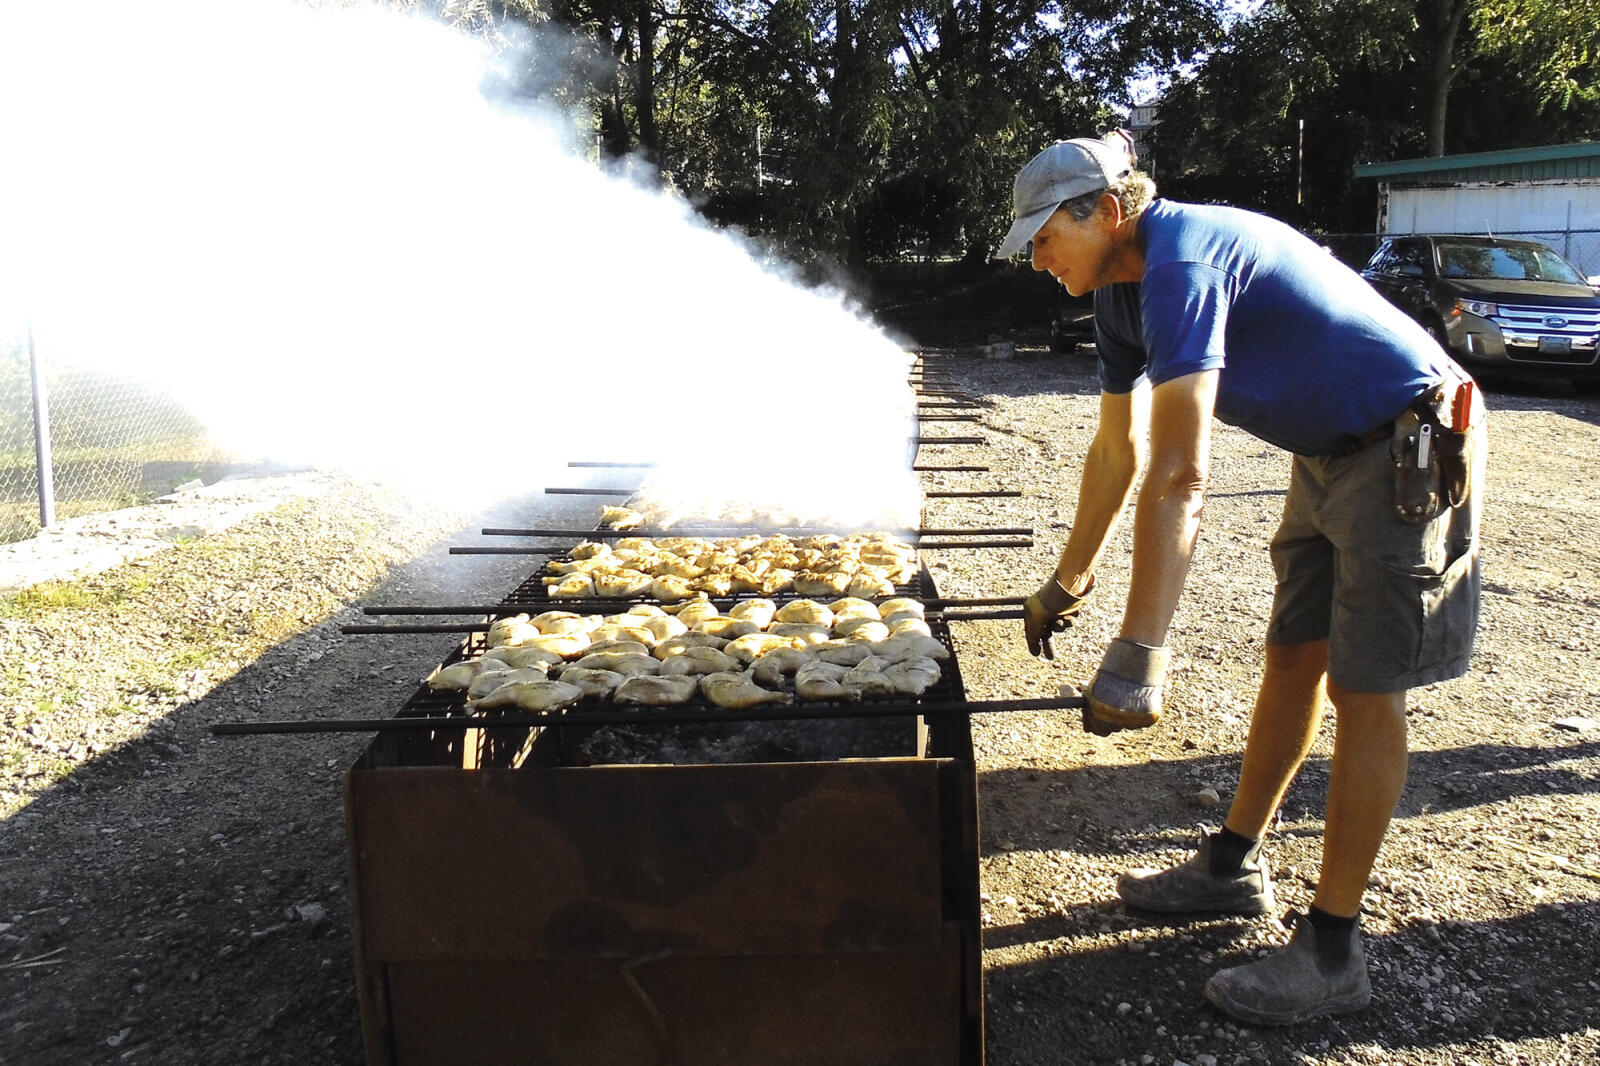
1513,307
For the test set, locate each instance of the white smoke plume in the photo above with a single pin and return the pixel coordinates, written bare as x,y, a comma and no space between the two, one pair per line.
313,228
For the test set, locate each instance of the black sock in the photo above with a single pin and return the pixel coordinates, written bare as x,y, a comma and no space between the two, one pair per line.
1229,850
1333,937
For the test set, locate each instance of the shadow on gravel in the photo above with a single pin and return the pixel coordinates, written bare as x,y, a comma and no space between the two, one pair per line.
1034,808
1421,978
182,898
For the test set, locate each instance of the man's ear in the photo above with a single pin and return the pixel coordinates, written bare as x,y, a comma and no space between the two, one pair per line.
1111,207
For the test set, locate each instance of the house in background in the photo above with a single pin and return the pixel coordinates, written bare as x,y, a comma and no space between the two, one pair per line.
1549,194
1142,123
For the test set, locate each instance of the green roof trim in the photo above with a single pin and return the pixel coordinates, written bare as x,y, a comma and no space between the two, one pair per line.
1553,161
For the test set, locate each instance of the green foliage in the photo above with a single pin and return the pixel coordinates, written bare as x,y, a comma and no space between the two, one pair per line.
1359,75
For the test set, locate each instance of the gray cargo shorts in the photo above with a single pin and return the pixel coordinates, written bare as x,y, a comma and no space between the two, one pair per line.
1397,602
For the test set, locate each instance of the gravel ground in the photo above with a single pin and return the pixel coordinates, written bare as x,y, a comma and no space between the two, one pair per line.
167,896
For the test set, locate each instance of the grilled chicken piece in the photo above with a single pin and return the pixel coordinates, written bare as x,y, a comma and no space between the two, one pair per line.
727,627
596,684
620,661
626,647
771,668
618,584
854,607
530,696
671,589
742,578
817,680
620,518
573,585
634,544
588,549
696,611
808,611
638,610
674,566
864,630
747,649
914,676
735,690
490,679
683,641
902,605
684,547
557,623
842,652
867,678
656,691
698,661
778,579
714,583
565,645
639,634
804,631
821,582
665,627
456,676
582,566
758,611
522,656
501,626
871,582
904,646
906,623
851,624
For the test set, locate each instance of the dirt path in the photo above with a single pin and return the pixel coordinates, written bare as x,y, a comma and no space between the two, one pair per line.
170,897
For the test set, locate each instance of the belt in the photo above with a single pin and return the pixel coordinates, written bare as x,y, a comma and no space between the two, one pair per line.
1356,442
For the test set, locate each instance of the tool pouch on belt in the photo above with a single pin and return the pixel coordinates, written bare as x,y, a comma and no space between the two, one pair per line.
1432,469
1418,495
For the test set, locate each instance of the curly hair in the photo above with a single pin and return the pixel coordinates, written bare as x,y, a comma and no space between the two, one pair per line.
1134,191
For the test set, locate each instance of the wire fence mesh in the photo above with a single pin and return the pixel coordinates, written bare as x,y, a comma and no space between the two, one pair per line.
1581,246
115,442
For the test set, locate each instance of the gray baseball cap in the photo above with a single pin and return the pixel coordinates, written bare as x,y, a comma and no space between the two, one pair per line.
1062,171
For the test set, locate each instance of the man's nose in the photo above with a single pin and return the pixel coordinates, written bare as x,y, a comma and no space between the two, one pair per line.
1033,257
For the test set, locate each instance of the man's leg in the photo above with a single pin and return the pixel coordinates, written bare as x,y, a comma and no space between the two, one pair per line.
1224,874
1369,773
1283,725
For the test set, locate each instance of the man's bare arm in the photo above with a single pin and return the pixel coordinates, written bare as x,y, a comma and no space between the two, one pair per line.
1109,472
1166,521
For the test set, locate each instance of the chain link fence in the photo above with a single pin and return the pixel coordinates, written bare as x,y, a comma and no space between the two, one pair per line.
115,442
1581,246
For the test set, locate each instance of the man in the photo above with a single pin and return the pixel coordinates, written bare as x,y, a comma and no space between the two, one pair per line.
1203,311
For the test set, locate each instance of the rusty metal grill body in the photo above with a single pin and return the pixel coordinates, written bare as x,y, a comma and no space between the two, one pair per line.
777,912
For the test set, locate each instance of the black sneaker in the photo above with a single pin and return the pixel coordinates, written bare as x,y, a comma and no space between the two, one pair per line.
1192,887
1291,985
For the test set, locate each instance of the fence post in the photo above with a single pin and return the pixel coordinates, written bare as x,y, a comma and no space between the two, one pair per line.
43,460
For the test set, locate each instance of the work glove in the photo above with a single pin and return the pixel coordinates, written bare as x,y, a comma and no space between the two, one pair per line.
1050,611
1126,692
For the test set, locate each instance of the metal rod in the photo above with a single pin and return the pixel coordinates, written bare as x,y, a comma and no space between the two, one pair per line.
357,629
588,492
44,457
735,531
985,493
950,440
646,717
609,466
957,469
512,608
950,418
928,545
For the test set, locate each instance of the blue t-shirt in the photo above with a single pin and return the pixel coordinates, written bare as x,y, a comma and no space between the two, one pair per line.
1310,355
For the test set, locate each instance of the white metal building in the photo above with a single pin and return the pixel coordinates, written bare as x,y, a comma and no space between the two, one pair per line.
1549,194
